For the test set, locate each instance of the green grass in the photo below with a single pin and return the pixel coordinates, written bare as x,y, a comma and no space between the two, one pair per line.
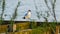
44,27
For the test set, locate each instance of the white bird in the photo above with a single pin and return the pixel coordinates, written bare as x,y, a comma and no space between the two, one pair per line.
27,15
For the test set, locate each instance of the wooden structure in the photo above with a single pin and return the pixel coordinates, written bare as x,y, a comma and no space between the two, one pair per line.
23,27
16,26
57,29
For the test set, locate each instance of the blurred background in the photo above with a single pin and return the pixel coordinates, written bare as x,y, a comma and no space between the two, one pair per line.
26,5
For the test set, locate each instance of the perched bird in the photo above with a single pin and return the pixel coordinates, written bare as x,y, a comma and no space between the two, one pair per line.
27,15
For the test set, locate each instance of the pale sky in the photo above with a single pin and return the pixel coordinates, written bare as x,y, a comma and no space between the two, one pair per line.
25,5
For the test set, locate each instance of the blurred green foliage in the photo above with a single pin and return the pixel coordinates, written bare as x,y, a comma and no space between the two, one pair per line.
44,27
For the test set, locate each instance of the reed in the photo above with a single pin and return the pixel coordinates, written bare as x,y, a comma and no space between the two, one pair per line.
3,8
15,12
53,14
37,12
53,8
46,24
12,20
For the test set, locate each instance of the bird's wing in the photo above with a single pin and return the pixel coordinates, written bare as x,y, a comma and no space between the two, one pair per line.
26,14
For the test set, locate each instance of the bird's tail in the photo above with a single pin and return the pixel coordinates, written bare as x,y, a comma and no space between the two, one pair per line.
23,17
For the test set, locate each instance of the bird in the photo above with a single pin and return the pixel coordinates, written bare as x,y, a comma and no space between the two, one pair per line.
27,15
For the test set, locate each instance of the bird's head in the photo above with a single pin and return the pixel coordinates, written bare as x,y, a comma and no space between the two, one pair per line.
29,10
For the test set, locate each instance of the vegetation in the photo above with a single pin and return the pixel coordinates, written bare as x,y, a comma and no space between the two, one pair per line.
44,27
13,16
15,13
12,21
3,8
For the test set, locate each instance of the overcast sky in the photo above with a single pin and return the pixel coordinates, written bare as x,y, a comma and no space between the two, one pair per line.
25,5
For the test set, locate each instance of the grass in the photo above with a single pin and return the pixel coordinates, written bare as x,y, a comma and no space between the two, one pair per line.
44,27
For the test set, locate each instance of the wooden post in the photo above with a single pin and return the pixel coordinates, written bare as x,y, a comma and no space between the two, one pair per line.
14,27
44,32
57,30
48,32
